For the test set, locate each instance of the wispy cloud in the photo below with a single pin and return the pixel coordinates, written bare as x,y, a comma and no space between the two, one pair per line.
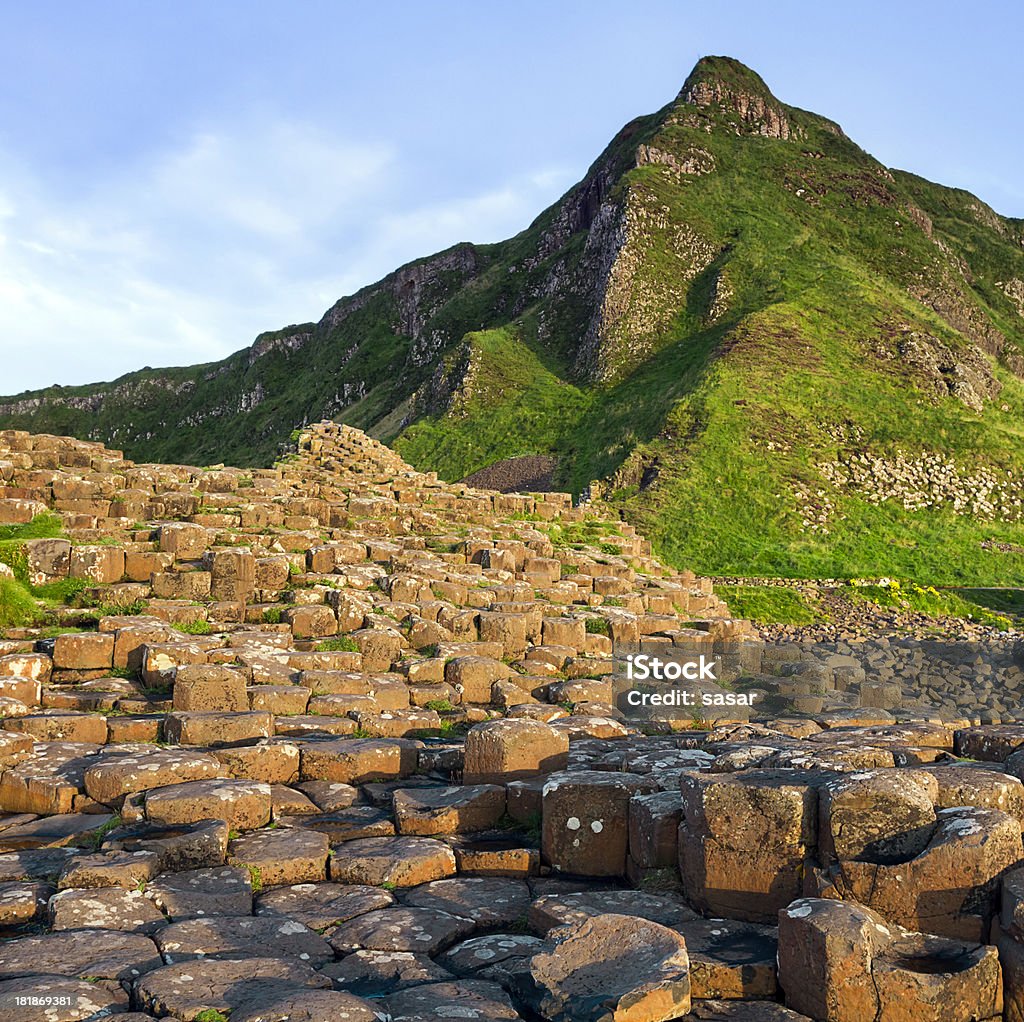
184,255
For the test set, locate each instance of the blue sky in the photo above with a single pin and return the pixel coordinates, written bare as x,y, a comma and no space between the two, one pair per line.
176,178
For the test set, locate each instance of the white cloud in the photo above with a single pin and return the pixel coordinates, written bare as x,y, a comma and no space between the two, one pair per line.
185,255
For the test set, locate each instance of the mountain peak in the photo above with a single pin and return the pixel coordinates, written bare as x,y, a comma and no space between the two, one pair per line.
725,74
759,350
728,84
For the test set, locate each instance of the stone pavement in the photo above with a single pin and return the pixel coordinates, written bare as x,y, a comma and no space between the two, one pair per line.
335,740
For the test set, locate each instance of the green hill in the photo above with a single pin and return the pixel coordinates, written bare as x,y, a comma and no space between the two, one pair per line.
775,355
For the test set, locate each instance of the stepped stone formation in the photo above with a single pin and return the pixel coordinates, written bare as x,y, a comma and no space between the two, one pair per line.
336,740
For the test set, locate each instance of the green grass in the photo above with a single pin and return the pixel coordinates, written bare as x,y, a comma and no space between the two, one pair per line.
198,627
1008,602
212,1015
43,526
911,597
342,644
18,608
518,404
769,604
62,592
255,877
22,604
588,532
597,626
94,838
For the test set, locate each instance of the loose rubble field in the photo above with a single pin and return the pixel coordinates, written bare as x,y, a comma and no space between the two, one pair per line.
335,741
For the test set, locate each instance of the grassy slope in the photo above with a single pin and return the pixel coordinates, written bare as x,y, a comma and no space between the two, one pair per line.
192,414
531,405
814,287
803,362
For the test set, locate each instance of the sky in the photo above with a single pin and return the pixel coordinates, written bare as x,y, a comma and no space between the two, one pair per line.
176,178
